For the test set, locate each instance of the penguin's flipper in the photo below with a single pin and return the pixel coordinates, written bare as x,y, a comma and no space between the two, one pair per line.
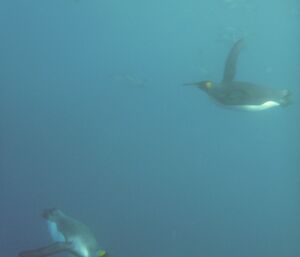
230,65
47,250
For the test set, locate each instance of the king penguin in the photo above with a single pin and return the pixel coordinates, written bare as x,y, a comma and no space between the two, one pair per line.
240,94
69,235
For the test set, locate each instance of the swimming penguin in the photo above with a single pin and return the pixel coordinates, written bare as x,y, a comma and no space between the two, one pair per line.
240,94
69,235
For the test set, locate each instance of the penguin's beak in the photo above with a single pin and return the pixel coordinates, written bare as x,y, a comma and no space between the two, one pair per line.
204,85
193,84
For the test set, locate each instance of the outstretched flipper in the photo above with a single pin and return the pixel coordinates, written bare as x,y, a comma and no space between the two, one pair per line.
48,250
230,65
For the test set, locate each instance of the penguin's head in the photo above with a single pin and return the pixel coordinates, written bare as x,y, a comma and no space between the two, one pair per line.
206,85
48,213
51,214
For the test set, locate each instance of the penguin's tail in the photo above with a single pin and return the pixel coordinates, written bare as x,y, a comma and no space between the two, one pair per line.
286,98
55,248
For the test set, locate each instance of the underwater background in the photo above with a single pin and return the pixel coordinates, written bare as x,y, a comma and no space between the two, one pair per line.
95,121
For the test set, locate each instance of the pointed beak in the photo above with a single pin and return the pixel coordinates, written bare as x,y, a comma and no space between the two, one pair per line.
193,84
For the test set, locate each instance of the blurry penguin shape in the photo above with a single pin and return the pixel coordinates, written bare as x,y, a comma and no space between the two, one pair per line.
240,94
69,235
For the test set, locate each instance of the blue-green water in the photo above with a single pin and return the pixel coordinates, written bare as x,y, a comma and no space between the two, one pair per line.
94,121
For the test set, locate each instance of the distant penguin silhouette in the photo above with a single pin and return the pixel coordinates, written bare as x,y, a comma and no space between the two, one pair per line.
69,235
240,94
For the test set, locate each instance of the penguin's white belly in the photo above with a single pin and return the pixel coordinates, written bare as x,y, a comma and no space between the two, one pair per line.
77,244
56,235
79,247
261,107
